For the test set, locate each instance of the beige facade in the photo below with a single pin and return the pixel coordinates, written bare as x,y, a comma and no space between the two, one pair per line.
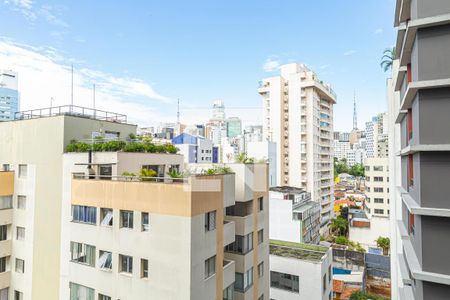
377,186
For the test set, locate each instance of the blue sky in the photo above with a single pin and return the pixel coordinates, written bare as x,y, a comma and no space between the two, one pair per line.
199,51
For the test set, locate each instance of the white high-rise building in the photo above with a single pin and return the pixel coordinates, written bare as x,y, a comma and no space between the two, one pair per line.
298,117
377,136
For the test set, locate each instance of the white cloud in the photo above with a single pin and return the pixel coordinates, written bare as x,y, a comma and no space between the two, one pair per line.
349,52
378,31
323,67
45,74
271,65
25,7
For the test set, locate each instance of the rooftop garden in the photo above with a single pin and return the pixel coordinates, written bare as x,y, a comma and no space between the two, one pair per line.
297,250
142,145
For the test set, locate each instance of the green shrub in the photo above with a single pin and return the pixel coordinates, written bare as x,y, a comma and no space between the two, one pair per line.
148,173
341,240
113,146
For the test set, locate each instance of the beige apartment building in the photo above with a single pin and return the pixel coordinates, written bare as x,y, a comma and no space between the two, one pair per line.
77,229
298,117
377,186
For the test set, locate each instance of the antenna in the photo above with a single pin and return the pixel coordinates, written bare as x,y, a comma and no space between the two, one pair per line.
178,110
355,120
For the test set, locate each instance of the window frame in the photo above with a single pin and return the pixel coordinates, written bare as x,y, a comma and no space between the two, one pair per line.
127,222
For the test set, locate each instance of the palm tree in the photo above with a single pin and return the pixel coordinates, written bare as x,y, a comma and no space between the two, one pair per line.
384,243
388,58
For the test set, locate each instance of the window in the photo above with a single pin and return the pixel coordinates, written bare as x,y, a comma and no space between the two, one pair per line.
105,260
410,129
2,264
378,200
228,292
210,266
378,189
20,265
23,171
126,264
367,178
378,211
210,221
106,214
241,244
3,232
324,282
21,202
103,297
82,253
4,294
261,269
330,275
411,223
367,168
284,281
78,292
84,214
5,202
378,178
18,295
260,236
144,268
20,233
260,203
126,219
378,168
144,221
410,171
243,281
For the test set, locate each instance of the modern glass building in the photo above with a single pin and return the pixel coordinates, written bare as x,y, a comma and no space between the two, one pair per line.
9,95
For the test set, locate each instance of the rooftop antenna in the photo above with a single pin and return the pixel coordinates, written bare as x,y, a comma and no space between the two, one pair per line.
355,120
178,111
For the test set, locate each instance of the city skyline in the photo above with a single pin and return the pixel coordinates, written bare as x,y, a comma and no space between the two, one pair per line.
148,94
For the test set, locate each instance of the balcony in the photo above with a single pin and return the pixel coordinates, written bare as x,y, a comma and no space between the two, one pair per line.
6,183
243,225
229,267
6,216
5,248
5,280
228,232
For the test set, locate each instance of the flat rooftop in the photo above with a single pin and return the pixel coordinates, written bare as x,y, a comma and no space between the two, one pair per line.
71,110
287,189
307,252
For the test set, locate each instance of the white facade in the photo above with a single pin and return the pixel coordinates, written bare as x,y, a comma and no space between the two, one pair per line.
377,136
341,149
377,186
379,226
265,151
298,117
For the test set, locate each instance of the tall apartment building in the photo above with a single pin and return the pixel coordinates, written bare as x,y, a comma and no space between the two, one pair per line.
9,95
32,148
234,127
298,117
419,106
377,186
377,136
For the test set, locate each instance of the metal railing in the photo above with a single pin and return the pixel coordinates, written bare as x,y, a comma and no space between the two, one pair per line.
71,110
131,178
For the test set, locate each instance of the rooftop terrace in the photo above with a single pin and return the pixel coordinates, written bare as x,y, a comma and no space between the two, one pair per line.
71,110
298,251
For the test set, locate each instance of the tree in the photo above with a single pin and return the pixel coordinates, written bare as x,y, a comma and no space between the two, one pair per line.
357,170
340,166
384,243
360,295
339,226
344,212
388,58
341,240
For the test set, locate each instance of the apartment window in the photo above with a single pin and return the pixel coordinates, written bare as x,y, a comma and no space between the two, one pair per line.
106,214
23,171
126,264
78,292
5,202
20,233
21,202
243,281
18,295
324,282
378,168
378,200
126,219
330,274
410,170
260,236
210,220
2,264
241,244
260,203
103,297
411,223
84,214
367,178
105,260
144,221
82,253
144,268
378,189
3,232
20,265
284,281
367,168
210,266
261,269
378,211
410,121
378,178
4,294
228,293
